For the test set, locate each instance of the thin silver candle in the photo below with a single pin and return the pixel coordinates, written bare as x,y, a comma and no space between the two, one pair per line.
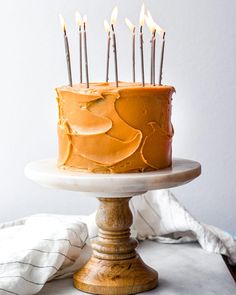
133,30
67,50
113,21
154,59
85,51
162,57
152,27
78,21
141,22
133,54
107,28
162,34
151,61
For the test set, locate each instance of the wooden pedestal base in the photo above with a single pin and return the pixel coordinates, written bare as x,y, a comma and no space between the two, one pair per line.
115,267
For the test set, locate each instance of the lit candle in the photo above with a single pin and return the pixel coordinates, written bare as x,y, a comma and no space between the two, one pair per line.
162,33
67,51
141,23
154,58
107,28
78,21
132,28
113,21
151,25
85,50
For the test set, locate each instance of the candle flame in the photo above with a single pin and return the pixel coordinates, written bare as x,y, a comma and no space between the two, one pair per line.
152,25
62,22
114,15
150,16
78,18
85,20
129,24
106,26
142,16
159,30
150,22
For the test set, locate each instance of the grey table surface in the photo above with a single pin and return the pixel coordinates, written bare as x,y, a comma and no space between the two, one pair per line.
183,269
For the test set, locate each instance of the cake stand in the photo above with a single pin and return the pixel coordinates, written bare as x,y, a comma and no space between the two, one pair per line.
115,267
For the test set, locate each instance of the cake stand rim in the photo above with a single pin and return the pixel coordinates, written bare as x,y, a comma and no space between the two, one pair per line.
120,184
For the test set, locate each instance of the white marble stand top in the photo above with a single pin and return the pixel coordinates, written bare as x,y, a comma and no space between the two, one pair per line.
46,173
184,269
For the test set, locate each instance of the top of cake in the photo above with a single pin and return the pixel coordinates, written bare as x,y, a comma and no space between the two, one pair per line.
100,87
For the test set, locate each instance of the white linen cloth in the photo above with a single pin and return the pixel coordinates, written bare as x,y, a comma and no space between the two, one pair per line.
39,248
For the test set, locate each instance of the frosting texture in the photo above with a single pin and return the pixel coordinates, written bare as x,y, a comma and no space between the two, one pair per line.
104,129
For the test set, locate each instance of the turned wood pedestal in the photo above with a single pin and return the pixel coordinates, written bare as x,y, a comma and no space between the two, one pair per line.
115,267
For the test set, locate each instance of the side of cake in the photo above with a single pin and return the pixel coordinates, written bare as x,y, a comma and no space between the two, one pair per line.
105,129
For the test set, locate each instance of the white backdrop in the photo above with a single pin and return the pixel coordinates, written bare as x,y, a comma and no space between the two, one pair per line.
200,62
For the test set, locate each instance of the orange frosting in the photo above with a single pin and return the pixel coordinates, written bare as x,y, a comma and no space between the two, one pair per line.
105,129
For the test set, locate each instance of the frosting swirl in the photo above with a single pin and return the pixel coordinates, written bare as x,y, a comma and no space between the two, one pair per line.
105,129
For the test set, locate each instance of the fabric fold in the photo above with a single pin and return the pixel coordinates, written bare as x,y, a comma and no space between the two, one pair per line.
40,248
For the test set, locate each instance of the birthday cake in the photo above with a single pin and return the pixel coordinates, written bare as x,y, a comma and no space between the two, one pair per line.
105,129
